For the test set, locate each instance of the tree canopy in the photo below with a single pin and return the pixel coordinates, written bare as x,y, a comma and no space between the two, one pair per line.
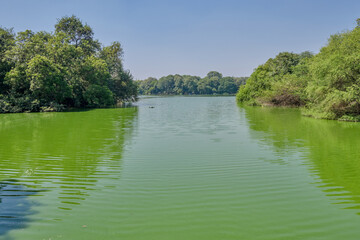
213,83
41,71
326,85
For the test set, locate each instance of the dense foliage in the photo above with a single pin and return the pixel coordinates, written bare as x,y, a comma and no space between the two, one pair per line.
68,68
280,81
212,83
326,85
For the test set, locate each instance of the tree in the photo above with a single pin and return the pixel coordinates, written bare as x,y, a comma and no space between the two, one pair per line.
81,35
214,74
213,83
190,84
47,82
227,85
112,56
178,84
42,71
260,87
148,86
334,88
166,84
7,41
123,87
327,85
98,96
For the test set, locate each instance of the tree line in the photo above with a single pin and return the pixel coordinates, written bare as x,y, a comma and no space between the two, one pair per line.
325,85
42,71
213,83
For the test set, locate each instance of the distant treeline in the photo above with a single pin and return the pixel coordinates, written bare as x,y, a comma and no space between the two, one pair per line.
213,84
41,71
325,85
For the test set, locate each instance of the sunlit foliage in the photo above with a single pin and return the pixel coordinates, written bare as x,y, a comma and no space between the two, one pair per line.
326,85
42,71
212,84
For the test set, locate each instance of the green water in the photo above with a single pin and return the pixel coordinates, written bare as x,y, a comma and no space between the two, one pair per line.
188,168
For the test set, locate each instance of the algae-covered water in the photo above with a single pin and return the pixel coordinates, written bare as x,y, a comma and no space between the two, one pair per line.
178,168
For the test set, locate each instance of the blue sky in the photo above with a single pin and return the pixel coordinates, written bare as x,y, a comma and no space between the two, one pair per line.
194,37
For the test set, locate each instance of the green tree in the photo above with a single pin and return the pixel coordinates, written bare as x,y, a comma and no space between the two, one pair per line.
190,84
214,74
112,55
334,89
42,71
47,82
121,82
148,86
98,96
81,35
123,87
7,41
166,85
227,85
270,83
212,83
178,85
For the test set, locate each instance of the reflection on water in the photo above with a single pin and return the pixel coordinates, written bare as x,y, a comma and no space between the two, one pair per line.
15,206
65,153
331,147
189,168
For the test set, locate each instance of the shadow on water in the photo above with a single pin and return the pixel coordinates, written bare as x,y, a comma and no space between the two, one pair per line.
66,153
15,205
330,147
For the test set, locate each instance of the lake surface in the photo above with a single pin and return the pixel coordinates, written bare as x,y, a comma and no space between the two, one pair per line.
179,168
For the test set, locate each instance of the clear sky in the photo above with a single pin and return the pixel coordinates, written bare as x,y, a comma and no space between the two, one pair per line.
162,37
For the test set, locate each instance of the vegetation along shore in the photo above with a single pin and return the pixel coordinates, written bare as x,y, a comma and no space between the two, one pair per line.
212,84
41,71
325,85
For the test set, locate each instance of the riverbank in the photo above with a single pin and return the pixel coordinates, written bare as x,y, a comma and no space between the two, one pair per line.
325,85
